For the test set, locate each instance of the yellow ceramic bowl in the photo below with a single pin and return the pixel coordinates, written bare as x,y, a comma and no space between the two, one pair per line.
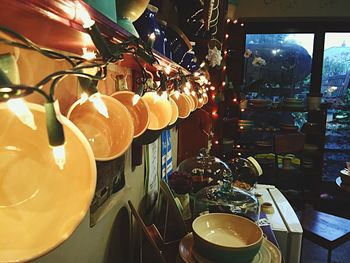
205,98
40,205
160,111
183,105
108,137
195,99
139,112
200,102
174,111
226,238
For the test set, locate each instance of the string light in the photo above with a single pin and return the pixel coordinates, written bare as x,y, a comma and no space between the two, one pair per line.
151,39
227,36
212,88
223,83
224,68
235,21
234,100
216,142
88,55
242,110
228,20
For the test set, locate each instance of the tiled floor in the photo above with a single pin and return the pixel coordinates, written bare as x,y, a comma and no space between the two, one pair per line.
314,254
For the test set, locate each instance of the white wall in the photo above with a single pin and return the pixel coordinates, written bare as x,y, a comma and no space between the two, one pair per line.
292,8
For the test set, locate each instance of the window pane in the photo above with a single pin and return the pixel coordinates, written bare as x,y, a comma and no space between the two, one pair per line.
335,89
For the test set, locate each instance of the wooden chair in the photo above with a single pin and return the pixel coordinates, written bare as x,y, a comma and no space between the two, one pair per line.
165,250
325,230
289,143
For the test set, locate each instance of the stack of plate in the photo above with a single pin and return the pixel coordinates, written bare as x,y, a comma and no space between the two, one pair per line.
293,103
261,103
268,252
245,124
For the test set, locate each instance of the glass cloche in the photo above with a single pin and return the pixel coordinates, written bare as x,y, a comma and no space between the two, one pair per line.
226,198
245,172
204,169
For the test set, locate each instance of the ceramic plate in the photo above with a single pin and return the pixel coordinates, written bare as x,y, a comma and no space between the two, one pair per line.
345,172
268,252
40,205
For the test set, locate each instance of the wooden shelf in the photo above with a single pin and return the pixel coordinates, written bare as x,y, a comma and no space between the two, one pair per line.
53,24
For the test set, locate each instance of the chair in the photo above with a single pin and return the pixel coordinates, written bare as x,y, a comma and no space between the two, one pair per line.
165,251
325,230
289,143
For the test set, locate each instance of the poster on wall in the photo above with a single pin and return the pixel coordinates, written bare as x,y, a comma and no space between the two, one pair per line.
110,179
151,174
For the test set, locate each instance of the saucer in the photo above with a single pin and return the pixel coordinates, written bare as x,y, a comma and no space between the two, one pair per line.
268,252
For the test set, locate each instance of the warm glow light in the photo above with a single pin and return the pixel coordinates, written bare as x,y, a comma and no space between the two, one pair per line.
135,99
235,21
234,100
59,154
152,36
213,96
167,69
99,104
242,110
242,24
214,114
228,20
241,127
227,36
164,95
200,99
187,91
224,68
193,93
156,97
238,146
223,83
21,110
202,65
216,142
196,74
225,52
239,154
212,88
88,55
84,15
177,94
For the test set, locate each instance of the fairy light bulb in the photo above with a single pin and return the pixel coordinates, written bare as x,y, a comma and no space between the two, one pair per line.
21,110
84,15
135,99
88,55
202,65
223,83
200,99
99,104
177,94
156,97
83,98
168,69
196,74
212,88
59,155
151,39
227,36
193,93
187,88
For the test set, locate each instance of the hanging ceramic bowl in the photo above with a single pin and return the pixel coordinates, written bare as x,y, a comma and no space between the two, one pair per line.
183,105
139,112
108,137
40,205
200,101
195,100
191,101
160,117
174,111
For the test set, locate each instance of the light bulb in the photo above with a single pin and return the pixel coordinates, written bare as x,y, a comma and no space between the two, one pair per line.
99,104
167,69
135,99
177,94
196,74
59,154
202,65
84,97
200,99
188,85
21,110
84,15
88,55
193,93
187,91
151,39
164,95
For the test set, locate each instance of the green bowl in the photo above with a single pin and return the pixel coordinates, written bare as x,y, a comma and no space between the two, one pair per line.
226,238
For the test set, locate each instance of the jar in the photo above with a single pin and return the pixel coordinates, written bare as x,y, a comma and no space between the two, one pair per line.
204,170
148,24
226,199
245,172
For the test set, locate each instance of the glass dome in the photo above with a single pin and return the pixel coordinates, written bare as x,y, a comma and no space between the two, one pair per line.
204,169
226,199
245,172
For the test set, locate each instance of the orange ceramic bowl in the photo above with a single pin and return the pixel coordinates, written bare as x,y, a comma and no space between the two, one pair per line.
205,98
160,111
40,205
200,102
174,111
183,105
139,112
195,99
191,101
108,137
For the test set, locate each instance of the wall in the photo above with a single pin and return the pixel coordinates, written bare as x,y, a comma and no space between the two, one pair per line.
108,240
292,8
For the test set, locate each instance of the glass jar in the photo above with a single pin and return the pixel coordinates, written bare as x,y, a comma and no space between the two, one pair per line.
245,172
226,199
204,170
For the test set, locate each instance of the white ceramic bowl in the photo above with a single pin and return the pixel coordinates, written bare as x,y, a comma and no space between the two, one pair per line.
40,205
226,238
108,137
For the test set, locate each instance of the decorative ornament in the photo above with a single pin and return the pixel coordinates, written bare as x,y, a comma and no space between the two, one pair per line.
214,53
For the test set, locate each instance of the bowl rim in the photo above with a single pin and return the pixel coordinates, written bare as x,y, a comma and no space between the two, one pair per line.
85,143
127,113
232,216
144,104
